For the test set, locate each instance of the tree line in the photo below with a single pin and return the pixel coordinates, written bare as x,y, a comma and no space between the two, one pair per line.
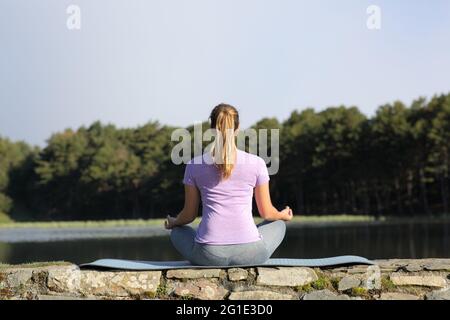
335,161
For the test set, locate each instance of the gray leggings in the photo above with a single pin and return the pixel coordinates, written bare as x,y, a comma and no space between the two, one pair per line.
273,233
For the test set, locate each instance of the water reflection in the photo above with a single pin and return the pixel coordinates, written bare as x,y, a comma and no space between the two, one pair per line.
405,240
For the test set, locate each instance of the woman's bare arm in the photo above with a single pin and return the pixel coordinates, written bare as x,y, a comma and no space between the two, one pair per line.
266,210
190,210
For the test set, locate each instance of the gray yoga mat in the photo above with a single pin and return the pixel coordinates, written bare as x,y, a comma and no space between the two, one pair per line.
283,262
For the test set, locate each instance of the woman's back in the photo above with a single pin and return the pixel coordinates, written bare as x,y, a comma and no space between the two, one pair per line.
227,204
224,180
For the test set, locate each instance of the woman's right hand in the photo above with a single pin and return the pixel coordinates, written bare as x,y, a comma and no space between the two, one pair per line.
287,214
170,222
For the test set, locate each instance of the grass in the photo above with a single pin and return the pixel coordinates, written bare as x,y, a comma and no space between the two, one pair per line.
330,218
85,224
4,219
5,222
387,284
360,292
161,291
323,282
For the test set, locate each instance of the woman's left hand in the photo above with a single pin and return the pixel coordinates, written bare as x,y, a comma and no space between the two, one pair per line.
287,214
170,222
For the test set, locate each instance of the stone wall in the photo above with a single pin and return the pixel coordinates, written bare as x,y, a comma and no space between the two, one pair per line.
388,280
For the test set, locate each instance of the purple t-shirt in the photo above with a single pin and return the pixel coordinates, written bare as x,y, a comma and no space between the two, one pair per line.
227,204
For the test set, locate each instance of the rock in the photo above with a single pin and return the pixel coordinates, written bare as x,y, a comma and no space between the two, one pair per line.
325,295
61,297
62,282
348,282
357,269
203,289
252,272
260,295
392,264
372,278
413,267
237,274
15,278
284,276
398,296
64,278
438,265
402,279
439,295
120,284
193,273
338,269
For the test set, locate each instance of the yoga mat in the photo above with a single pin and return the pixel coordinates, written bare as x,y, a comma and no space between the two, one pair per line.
165,265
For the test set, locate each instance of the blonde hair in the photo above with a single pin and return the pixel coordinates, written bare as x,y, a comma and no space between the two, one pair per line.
225,119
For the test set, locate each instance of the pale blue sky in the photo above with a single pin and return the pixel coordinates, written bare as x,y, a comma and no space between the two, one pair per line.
173,60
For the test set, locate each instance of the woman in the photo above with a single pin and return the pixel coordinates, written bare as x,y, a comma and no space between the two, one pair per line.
225,179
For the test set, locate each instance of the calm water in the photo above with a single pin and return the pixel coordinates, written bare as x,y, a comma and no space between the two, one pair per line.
374,241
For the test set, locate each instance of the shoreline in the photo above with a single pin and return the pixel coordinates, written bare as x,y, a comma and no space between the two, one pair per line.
41,233
160,222
297,221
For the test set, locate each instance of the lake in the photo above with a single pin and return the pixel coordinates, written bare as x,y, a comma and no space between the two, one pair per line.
372,240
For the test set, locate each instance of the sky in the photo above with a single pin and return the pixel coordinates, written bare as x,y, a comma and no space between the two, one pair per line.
173,60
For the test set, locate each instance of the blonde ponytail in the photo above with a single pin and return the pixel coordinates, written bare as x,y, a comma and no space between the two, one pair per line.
225,119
